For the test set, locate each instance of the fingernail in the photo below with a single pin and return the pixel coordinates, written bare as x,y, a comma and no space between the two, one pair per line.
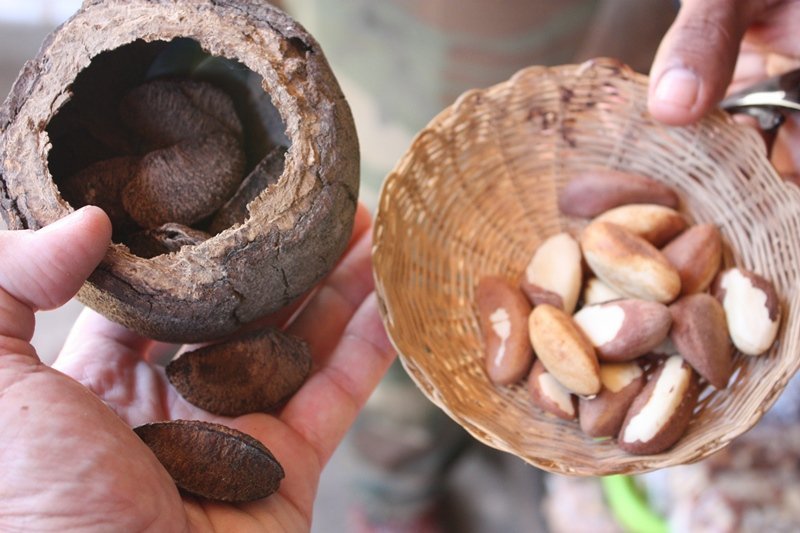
678,88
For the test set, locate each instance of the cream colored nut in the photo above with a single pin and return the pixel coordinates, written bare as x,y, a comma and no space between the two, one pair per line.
697,255
597,292
503,312
654,223
556,267
592,192
629,264
549,395
564,350
602,416
661,412
700,334
751,308
622,330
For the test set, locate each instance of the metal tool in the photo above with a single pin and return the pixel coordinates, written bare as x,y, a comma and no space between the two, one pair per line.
768,101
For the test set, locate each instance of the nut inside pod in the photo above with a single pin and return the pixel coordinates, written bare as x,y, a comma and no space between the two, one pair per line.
288,121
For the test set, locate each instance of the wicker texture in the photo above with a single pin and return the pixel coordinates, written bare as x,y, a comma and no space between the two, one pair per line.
476,193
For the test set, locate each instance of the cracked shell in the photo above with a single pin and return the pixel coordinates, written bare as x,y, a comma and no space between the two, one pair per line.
294,233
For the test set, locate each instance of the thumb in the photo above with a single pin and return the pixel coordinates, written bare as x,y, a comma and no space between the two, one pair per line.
45,268
695,61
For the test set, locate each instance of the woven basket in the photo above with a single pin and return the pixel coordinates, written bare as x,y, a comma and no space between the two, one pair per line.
476,193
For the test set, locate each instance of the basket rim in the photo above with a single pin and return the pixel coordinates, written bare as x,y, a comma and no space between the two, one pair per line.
633,464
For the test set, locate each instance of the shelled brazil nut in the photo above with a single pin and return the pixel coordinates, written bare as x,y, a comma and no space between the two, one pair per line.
631,317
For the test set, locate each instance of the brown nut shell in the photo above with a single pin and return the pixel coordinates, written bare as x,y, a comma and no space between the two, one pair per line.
592,192
624,329
550,395
185,182
101,184
503,312
564,349
603,415
700,334
293,236
248,374
213,461
628,263
661,412
194,108
697,255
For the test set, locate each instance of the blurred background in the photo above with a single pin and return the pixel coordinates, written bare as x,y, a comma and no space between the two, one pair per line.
406,466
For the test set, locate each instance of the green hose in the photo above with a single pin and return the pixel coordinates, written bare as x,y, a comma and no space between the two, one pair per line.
630,507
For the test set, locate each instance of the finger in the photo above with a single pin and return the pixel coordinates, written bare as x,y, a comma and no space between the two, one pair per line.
775,32
785,155
326,315
92,333
327,404
108,359
361,225
44,269
696,58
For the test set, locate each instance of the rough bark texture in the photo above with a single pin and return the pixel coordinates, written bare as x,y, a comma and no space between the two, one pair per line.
294,234
213,461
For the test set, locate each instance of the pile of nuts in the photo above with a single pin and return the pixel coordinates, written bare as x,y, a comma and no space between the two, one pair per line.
185,178
626,347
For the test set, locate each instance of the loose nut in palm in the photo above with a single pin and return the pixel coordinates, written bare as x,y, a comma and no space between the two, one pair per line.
592,192
700,334
628,263
602,416
654,223
697,255
249,374
293,235
564,350
624,329
503,312
555,267
661,412
752,309
550,395
213,461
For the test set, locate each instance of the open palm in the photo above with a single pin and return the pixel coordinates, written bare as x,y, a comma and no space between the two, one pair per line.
69,459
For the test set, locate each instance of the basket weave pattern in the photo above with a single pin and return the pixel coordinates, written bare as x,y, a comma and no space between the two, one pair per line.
477,192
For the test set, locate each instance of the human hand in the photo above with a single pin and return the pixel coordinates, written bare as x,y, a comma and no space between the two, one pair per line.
719,46
69,459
